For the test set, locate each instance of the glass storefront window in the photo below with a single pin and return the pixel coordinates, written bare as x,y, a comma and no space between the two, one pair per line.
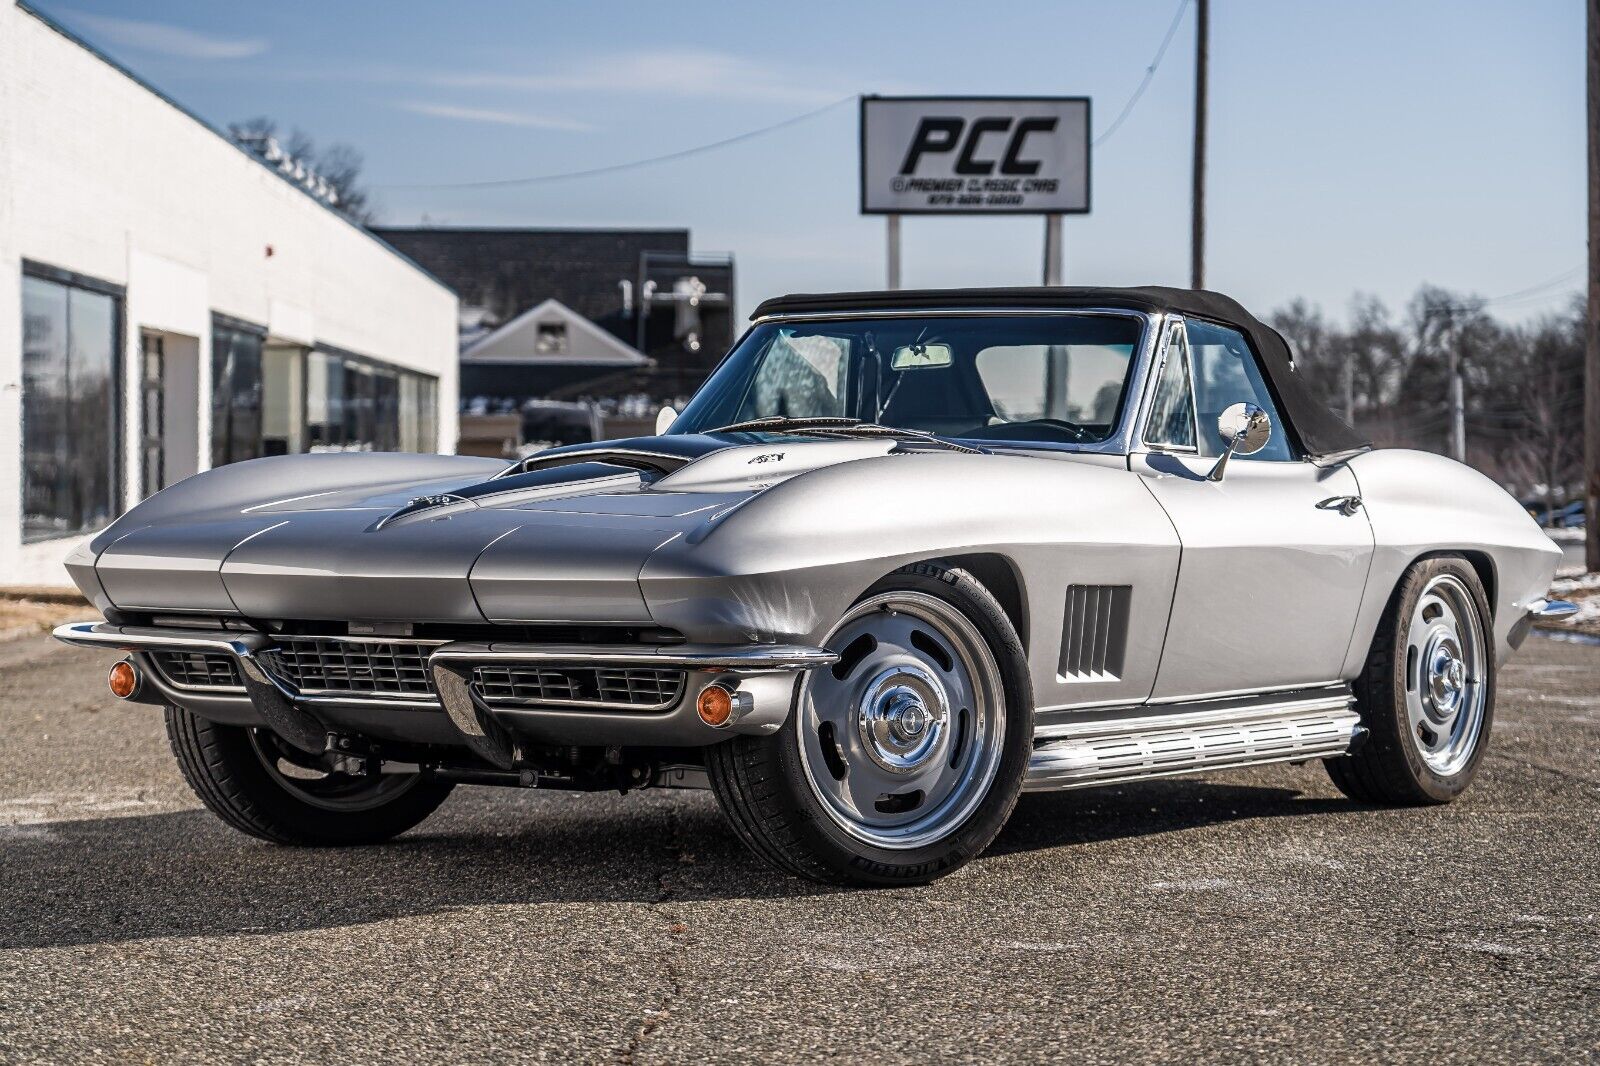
236,393
70,408
359,404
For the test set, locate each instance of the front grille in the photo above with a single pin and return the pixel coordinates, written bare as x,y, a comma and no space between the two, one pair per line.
627,687
333,665
197,669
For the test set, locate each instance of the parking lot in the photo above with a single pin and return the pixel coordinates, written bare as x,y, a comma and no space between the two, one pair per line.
1247,914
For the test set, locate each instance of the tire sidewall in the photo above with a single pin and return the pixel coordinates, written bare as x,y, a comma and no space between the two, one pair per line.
238,778
1439,787
857,860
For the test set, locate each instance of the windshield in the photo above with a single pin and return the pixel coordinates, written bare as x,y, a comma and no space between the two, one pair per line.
1058,378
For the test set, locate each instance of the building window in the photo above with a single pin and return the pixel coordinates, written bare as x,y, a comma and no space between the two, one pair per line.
359,404
551,338
70,408
236,392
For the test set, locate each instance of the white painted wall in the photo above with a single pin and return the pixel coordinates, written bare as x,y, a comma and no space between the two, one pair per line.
101,176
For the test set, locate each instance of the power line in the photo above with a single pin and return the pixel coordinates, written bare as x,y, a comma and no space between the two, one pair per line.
684,153
1532,295
613,168
1149,74
1562,278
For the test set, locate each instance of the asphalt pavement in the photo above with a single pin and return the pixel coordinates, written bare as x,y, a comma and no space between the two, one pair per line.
1253,914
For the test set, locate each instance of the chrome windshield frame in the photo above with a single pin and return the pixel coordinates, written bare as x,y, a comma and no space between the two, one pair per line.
1119,442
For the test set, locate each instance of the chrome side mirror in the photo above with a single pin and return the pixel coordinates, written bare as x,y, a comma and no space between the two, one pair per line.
664,419
1245,429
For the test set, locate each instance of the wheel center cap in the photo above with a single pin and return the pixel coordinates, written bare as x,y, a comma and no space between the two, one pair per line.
1447,681
907,716
901,718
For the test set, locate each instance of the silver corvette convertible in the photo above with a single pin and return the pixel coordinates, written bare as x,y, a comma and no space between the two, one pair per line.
904,556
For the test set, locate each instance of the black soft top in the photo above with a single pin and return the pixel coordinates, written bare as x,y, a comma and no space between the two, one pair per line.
1318,430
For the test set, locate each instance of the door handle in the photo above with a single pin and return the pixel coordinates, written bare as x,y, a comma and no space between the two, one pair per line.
1345,505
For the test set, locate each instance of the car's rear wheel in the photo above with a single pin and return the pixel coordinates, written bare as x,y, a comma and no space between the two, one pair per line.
1427,693
902,761
263,787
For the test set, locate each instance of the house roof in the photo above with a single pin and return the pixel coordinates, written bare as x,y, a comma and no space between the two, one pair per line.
586,343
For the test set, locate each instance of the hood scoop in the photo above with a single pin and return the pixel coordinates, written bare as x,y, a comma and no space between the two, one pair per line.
509,490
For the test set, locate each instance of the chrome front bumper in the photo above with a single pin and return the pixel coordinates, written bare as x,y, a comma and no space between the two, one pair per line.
766,672
1540,610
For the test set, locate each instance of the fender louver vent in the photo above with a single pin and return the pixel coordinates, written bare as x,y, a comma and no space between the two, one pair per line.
1094,636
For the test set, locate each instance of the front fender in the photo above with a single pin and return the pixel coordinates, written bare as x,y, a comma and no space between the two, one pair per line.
785,564
1420,503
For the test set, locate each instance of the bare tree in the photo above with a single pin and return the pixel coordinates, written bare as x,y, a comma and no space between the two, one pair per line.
1521,397
338,165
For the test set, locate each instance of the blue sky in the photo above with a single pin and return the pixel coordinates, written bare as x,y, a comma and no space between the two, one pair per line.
1355,146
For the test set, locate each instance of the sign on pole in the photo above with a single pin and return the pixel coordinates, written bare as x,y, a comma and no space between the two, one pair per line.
974,155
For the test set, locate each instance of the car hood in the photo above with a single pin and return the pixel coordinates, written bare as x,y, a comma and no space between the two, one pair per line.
364,537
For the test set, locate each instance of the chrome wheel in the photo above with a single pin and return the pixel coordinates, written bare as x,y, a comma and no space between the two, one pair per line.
300,776
1446,674
901,738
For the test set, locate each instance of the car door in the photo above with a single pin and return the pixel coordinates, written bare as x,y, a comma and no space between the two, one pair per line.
1274,555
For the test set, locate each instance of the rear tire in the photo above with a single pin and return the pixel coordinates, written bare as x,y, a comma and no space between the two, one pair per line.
244,776
929,710
1426,695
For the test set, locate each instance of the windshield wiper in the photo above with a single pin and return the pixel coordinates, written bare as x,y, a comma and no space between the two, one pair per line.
872,429
783,424
835,426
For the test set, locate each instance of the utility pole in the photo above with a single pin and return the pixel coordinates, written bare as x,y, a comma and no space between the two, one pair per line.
1197,233
1591,385
1458,406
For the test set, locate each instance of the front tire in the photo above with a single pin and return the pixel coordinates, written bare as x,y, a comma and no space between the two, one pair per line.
253,783
901,762
1427,692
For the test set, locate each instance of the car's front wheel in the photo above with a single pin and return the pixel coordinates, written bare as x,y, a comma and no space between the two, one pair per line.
1427,692
902,761
263,787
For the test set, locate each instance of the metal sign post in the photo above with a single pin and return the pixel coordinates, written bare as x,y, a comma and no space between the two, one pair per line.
1054,253
894,250
975,155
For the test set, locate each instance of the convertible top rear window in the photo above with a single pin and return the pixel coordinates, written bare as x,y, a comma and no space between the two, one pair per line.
1059,378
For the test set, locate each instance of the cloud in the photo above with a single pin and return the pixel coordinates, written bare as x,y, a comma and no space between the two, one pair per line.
667,72
495,117
167,40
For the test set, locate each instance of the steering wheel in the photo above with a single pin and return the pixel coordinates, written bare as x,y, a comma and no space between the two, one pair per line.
1077,431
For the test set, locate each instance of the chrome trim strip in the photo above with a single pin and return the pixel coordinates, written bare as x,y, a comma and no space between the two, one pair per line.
914,312
140,638
581,705
1083,753
684,656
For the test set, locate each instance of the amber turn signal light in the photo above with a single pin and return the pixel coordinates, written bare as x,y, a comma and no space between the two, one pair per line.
715,705
124,680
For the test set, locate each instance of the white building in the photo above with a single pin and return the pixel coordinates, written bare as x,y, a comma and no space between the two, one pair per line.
169,303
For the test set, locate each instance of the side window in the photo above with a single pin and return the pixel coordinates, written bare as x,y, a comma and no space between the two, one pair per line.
1171,422
1226,373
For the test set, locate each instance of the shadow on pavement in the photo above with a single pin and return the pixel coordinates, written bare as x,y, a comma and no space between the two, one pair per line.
185,874
1121,812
